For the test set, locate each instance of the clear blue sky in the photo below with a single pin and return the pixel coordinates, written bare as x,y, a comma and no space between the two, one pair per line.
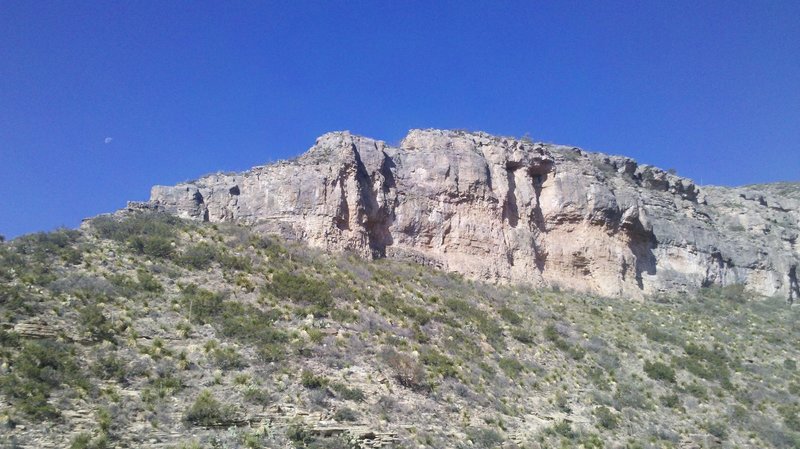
710,88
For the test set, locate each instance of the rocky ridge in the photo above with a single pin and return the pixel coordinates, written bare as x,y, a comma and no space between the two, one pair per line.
509,210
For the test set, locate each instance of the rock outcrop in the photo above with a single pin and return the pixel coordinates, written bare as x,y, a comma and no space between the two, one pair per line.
507,210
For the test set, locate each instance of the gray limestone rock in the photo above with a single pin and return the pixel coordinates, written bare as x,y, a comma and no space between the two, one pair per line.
508,210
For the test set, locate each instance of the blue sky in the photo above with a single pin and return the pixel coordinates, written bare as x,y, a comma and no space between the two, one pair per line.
710,88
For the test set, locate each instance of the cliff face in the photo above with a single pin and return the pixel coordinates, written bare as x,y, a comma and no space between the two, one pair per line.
506,210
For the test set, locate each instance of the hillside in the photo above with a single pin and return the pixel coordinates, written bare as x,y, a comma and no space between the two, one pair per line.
146,330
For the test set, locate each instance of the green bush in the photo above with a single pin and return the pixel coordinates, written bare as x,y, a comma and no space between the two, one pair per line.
659,371
523,335
658,335
41,246
39,368
791,416
109,367
345,414
153,234
437,362
152,245
302,289
511,366
94,323
510,316
84,440
707,363
484,438
606,418
249,324
228,358
670,400
202,305
311,381
718,429
350,394
148,282
207,411
564,429
199,256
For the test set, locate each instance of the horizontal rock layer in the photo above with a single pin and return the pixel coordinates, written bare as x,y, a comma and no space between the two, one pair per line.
507,210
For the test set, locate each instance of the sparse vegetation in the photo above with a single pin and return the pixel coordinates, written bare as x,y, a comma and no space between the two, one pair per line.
149,317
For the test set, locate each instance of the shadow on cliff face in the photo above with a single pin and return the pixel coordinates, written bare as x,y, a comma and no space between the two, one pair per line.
510,209
379,214
641,242
794,287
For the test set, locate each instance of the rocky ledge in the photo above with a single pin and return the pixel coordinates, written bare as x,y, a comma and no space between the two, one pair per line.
509,210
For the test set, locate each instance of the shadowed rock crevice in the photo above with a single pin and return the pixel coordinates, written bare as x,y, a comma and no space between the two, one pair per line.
794,286
510,209
377,217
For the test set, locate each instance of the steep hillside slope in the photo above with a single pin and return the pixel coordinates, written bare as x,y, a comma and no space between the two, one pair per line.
145,330
504,210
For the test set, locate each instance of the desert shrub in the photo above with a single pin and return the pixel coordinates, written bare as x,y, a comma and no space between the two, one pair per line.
258,396
606,418
199,256
153,234
17,301
227,358
790,364
564,429
311,381
95,324
233,262
345,414
109,367
299,434
484,437
717,428
207,411
629,395
85,286
511,366
696,390
510,316
394,306
437,362
791,416
670,400
11,263
272,352
523,335
148,282
655,334
552,333
350,394
706,363
735,293
302,289
42,246
84,440
39,368
659,371
202,305
407,371
249,324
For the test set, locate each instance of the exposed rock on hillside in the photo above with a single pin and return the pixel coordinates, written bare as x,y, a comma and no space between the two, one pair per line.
508,210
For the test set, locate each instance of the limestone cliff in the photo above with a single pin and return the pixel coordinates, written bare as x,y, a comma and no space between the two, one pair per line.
508,210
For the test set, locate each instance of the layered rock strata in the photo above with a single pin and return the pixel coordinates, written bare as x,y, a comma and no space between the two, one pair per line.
507,210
